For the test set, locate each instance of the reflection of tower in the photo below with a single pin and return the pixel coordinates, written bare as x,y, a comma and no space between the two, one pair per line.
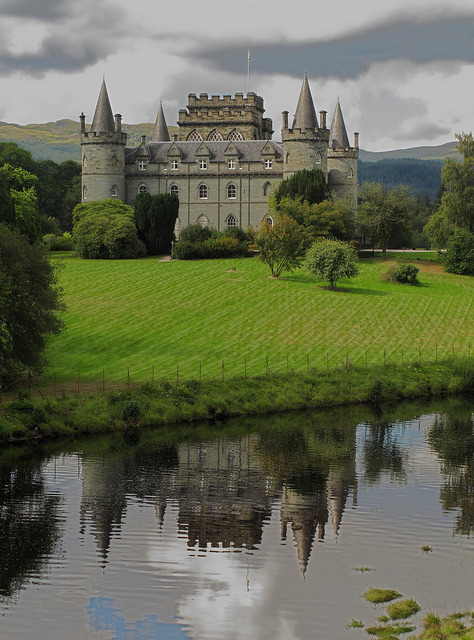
340,481
103,499
308,515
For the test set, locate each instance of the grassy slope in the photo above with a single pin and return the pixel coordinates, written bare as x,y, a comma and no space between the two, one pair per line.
140,313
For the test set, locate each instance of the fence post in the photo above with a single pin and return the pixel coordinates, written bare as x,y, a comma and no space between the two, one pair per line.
54,378
177,374
327,361
245,367
402,355
78,382
419,354
128,377
222,369
436,354
287,364
366,358
384,357
200,371
307,364
103,379
453,349
266,365
153,374
469,349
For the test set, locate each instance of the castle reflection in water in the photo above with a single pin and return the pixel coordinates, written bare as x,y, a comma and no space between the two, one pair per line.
225,491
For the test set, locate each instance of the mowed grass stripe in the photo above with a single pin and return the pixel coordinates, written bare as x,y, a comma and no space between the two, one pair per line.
140,313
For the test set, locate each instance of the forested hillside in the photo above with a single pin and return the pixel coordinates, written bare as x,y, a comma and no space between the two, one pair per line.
423,176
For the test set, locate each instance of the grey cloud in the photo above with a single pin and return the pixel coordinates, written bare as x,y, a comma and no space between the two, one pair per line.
437,39
45,10
425,131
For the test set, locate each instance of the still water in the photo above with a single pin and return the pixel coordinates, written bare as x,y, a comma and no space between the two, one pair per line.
255,529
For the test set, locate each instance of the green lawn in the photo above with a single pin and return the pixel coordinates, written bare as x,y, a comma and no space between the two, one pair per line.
140,314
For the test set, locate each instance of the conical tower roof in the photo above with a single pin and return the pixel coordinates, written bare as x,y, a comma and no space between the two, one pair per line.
160,131
338,136
103,121
305,116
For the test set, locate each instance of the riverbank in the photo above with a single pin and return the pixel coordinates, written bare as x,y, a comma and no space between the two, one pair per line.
165,404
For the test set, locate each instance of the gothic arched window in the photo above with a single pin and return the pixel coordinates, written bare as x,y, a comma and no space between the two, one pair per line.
202,191
231,221
214,136
174,189
231,191
266,188
268,220
203,221
114,191
84,192
194,136
142,188
235,135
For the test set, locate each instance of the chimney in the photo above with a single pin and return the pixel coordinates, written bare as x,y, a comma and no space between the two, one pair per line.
118,123
82,118
284,115
322,119
356,139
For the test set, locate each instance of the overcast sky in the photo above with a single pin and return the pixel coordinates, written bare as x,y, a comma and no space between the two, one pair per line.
404,71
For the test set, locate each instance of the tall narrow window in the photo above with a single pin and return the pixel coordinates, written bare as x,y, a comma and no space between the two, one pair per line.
231,164
203,192
174,165
114,191
84,193
266,188
231,221
174,189
231,191
203,164
318,158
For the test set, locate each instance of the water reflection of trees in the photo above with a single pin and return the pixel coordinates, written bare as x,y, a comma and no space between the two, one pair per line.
29,531
381,453
452,437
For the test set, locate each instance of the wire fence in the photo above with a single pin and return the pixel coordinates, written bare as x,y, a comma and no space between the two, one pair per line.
50,384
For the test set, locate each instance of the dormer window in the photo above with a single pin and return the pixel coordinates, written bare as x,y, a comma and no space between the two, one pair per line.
203,164
142,165
268,164
231,164
174,165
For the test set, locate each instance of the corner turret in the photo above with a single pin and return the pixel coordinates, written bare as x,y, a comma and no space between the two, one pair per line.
103,153
306,143
342,159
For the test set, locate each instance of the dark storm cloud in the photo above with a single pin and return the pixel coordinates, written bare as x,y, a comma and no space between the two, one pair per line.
44,10
431,40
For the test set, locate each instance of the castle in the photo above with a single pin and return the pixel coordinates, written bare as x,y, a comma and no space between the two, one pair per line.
223,163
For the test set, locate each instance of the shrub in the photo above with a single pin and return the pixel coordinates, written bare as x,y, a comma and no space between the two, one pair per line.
107,236
403,273
55,242
196,234
459,256
381,595
402,609
198,242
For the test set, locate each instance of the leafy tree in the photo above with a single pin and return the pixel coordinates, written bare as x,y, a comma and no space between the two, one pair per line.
155,218
330,218
384,213
459,256
30,303
306,185
18,178
438,229
108,206
27,219
106,235
7,208
457,202
11,153
331,260
281,245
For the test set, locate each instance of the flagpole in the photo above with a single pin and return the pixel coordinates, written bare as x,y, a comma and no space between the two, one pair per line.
248,70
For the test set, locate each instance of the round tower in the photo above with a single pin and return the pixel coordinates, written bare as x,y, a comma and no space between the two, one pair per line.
103,153
342,160
305,144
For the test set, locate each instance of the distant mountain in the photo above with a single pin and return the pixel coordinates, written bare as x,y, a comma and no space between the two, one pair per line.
59,141
422,176
438,152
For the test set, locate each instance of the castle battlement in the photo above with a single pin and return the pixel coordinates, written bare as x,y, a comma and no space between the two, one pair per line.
304,134
251,99
113,137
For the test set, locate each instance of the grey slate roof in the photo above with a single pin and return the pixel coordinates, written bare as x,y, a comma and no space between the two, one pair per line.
249,151
305,115
103,121
160,131
338,136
